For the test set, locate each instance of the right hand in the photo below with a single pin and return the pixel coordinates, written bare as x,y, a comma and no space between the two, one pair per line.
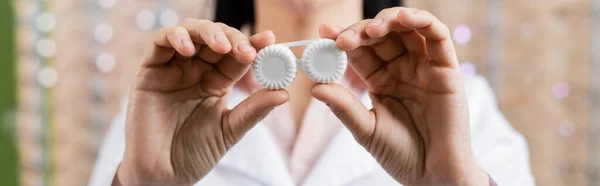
178,126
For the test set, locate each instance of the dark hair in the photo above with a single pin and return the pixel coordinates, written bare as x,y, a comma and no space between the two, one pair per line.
237,13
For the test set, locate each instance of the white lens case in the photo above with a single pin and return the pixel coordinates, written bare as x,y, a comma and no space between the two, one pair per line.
323,62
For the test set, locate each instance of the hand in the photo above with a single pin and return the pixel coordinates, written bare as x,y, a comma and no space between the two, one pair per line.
418,129
178,126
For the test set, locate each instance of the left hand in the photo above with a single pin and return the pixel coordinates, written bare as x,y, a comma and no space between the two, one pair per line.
418,129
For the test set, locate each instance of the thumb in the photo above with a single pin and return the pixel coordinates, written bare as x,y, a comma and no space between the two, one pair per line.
250,111
348,108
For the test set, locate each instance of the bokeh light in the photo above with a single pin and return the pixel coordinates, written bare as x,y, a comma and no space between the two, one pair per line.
168,18
105,62
145,20
468,69
103,33
462,34
107,4
46,47
561,90
45,22
47,77
566,128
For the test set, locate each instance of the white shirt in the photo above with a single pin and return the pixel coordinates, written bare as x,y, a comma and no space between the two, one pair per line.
256,160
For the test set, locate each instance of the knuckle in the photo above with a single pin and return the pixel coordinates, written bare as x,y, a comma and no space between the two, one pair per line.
192,21
209,26
178,30
222,25
188,21
229,30
390,11
238,38
162,32
359,25
445,28
235,34
427,13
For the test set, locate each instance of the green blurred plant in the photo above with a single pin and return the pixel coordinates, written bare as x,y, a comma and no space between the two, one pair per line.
9,171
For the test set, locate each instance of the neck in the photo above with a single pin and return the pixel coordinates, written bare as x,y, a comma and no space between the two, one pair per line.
290,26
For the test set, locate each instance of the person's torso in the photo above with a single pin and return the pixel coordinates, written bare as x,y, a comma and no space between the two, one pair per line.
322,153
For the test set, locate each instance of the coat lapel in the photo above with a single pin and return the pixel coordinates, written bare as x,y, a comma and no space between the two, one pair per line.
344,160
256,155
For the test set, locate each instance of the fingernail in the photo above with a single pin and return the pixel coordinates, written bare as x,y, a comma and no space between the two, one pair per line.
376,22
187,43
220,38
245,48
347,33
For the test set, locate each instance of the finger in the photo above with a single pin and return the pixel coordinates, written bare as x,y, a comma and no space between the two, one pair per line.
365,62
173,76
232,68
168,41
215,82
330,32
262,39
355,36
157,55
439,44
414,43
237,63
208,33
208,55
385,25
390,48
385,22
427,24
252,110
242,50
348,108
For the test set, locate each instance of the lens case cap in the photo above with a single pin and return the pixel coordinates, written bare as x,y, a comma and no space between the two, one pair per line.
275,66
323,61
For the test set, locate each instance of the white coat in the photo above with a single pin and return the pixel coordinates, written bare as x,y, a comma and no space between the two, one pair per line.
256,160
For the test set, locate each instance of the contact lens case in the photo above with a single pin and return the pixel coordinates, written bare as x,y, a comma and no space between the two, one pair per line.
275,66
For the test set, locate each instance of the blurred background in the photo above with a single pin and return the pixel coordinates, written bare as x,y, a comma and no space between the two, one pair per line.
66,65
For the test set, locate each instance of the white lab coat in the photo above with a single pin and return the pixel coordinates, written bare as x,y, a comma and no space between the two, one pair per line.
256,160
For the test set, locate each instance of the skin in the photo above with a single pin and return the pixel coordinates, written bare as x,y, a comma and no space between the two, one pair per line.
418,129
178,127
